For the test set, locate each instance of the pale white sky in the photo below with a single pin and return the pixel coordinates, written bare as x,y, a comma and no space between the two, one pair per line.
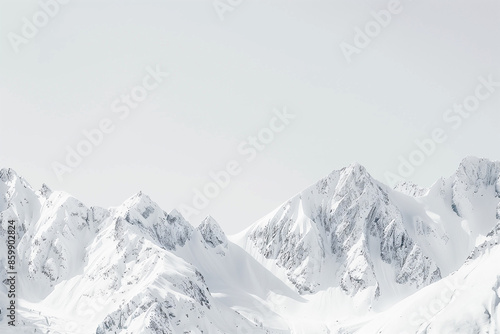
226,77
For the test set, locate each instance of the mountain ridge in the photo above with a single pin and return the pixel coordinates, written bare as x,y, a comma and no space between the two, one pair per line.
135,268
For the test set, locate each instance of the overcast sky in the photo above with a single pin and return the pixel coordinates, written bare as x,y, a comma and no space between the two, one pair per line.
227,79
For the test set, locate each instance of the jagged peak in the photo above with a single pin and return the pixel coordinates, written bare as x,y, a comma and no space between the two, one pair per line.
477,171
356,168
176,215
141,196
354,176
411,189
472,162
13,179
355,171
139,199
209,221
45,191
8,174
212,233
168,230
139,204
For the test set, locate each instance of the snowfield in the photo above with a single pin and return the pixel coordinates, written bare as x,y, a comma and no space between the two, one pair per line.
346,255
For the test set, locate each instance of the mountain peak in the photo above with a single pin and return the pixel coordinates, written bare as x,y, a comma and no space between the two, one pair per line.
474,160
355,170
347,238
140,195
212,233
8,174
209,220
477,172
176,215
411,189
139,200
45,191
352,175
356,166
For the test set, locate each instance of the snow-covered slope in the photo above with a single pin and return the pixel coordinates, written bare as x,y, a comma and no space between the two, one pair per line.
92,270
350,233
346,255
466,301
345,231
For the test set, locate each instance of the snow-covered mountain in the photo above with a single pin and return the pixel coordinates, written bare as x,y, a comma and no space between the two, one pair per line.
346,255
345,231
92,270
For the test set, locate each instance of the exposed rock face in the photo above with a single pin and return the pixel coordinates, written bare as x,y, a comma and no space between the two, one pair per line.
169,230
343,224
114,268
212,233
474,177
411,189
348,240
54,248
